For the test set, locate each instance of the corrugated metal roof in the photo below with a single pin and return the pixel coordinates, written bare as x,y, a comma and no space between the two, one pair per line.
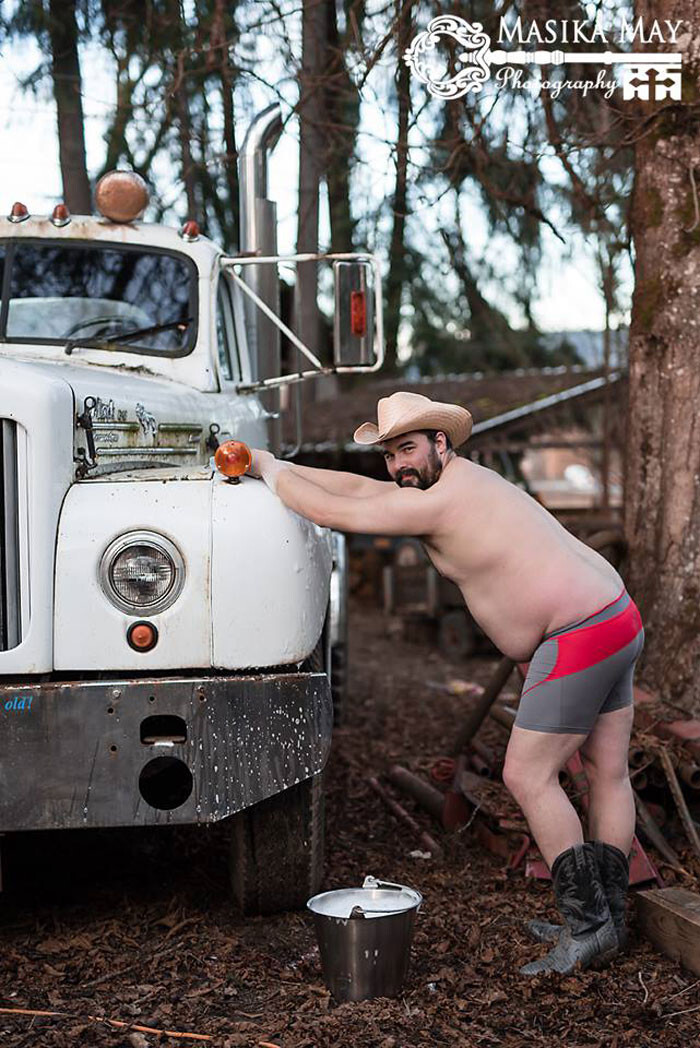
499,400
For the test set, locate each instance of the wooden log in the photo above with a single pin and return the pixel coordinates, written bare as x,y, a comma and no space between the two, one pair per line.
480,710
670,919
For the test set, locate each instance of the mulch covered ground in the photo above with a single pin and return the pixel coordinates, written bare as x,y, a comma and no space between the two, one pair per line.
137,926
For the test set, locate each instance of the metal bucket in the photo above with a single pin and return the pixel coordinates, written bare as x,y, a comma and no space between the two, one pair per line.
364,936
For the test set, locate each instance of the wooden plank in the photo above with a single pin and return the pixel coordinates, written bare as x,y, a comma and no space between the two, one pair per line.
670,919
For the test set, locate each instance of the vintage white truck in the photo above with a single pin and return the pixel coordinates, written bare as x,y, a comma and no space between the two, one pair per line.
165,635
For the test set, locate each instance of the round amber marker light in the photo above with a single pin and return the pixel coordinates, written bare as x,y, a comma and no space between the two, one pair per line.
121,196
233,458
142,636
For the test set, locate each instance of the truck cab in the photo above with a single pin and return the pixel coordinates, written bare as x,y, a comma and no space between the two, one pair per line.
166,634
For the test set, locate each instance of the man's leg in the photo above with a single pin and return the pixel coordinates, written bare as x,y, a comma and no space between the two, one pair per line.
611,811
611,817
531,773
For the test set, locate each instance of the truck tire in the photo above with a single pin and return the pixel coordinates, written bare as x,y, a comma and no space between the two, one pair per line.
339,683
336,649
276,850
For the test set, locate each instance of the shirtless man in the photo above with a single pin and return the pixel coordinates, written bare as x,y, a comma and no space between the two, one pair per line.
543,597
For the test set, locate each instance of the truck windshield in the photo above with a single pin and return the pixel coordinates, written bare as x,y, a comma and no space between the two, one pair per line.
59,292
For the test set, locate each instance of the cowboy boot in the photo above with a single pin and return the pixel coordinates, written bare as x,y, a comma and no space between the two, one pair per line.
544,931
589,932
614,874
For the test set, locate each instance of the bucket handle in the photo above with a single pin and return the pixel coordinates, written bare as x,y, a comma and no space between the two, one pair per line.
372,882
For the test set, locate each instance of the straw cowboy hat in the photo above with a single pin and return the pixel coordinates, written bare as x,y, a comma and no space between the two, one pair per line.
404,412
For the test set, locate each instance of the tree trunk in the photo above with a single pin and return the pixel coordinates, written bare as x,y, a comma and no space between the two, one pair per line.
65,71
342,104
662,509
311,156
184,128
397,262
221,22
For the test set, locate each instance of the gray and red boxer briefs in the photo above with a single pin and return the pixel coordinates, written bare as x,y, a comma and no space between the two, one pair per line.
582,670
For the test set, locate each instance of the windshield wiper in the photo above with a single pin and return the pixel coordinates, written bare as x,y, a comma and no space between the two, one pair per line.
128,336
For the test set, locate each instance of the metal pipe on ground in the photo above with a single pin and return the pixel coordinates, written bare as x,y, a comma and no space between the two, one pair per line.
689,772
503,715
637,756
400,812
428,797
656,776
485,752
480,766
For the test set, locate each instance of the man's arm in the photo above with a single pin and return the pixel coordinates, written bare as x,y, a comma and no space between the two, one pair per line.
339,483
398,511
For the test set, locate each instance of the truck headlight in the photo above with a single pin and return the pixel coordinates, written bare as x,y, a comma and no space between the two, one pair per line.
142,572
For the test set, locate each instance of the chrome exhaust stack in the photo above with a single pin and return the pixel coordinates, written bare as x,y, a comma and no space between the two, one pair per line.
258,235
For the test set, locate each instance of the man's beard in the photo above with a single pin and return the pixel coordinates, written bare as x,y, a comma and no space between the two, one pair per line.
408,477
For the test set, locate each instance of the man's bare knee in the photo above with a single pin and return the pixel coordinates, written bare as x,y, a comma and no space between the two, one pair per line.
524,779
611,770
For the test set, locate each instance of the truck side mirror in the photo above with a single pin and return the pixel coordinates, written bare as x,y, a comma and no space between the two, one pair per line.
353,325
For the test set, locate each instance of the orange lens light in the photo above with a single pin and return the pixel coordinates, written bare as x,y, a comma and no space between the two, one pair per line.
142,636
233,458
121,196
60,215
190,230
358,313
18,213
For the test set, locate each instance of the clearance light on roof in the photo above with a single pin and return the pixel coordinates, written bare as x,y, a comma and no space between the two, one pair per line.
60,215
18,213
121,196
190,230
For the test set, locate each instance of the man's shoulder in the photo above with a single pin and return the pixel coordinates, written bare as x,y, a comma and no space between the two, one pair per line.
461,471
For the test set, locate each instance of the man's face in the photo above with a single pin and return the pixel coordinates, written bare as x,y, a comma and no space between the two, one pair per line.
412,460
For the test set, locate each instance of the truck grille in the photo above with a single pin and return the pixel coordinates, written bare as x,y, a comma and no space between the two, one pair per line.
10,609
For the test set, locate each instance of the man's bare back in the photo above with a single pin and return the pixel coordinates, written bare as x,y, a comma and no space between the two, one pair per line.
521,573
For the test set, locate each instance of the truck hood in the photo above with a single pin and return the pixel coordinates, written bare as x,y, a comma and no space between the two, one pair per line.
141,421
